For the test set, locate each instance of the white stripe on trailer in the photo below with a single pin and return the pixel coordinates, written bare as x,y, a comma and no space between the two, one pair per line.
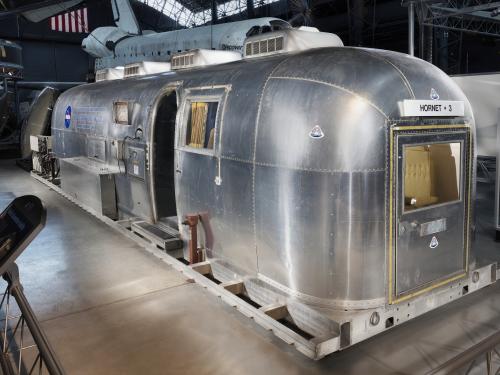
59,23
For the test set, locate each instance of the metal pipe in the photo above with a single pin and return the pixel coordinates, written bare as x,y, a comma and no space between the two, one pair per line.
497,184
44,348
429,43
47,353
421,39
411,28
192,222
215,16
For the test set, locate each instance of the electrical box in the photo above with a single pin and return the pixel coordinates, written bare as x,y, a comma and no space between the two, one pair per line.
136,162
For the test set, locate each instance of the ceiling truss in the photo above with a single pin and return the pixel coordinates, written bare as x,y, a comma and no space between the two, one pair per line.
473,16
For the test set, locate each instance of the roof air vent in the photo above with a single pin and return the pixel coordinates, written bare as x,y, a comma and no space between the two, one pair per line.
288,40
202,57
144,68
108,74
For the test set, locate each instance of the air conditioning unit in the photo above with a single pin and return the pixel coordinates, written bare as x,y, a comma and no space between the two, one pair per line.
144,68
108,74
288,40
202,57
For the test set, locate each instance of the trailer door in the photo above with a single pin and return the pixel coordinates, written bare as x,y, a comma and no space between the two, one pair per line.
430,190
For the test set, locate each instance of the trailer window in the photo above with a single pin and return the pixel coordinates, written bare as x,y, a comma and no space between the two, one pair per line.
431,174
122,113
200,132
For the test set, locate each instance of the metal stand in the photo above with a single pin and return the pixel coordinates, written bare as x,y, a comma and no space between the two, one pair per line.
25,348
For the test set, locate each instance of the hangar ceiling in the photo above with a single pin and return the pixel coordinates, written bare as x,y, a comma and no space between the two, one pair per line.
190,13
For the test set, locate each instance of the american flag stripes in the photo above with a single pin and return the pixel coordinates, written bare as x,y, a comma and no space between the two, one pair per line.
71,22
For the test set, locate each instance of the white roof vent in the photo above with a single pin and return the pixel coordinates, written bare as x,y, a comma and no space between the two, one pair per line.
108,74
144,68
289,40
202,57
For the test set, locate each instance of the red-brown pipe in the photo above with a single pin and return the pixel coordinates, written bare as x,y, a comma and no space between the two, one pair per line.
192,222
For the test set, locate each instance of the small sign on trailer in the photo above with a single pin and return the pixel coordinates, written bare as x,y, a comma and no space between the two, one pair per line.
431,108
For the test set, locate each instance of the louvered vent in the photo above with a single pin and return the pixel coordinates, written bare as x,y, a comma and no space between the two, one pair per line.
202,57
108,74
100,75
131,70
183,61
262,47
288,40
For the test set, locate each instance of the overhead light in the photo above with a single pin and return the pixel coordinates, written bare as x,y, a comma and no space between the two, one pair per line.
495,12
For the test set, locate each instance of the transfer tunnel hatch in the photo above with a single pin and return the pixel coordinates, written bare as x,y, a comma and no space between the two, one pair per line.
430,183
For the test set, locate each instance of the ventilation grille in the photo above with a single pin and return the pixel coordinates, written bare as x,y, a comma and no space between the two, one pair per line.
101,75
131,70
108,74
261,47
183,61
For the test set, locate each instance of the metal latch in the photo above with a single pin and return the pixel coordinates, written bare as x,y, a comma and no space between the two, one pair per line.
433,227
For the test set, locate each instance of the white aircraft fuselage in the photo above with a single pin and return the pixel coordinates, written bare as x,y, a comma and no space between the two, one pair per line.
112,47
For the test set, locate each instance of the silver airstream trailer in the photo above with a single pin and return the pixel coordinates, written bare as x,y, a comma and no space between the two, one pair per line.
334,180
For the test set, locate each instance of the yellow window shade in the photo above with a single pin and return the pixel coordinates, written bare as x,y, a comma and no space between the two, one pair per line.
198,123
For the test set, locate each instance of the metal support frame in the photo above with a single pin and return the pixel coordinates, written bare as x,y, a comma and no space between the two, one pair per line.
17,330
497,183
361,26
473,16
411,29
20,223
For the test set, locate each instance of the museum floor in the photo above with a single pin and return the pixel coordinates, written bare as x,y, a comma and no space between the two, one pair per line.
109,307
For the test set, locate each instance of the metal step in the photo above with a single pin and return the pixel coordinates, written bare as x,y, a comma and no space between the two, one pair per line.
160,235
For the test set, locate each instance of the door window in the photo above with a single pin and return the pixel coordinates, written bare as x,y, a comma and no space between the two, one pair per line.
431,174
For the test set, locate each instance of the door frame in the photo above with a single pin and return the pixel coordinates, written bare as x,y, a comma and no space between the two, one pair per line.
164,92
399,128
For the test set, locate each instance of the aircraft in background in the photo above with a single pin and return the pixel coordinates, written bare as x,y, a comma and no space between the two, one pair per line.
127,43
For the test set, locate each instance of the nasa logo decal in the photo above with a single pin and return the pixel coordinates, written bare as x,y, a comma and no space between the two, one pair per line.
316,133
434,95
67,117
434,242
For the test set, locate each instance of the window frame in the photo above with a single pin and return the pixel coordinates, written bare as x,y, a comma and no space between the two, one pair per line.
460,174
130,110
213,95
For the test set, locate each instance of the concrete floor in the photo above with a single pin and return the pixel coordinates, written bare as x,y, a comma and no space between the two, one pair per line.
108,307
